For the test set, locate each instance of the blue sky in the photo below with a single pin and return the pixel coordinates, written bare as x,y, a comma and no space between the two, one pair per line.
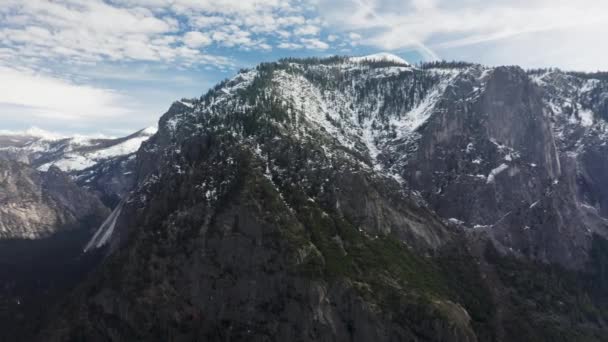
112,67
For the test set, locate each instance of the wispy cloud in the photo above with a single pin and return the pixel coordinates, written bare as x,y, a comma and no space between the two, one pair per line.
50,97
55,54
170,31
434,26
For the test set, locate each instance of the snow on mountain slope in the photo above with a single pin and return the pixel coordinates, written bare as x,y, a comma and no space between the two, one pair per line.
80,156
380,57
44,149
356,117
351,111
101,165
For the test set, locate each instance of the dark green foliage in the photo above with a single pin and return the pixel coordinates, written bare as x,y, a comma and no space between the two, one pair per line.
315,60
598,75
467,286
383,270
333,60
598,265
34,274
445,65
542,71
550,303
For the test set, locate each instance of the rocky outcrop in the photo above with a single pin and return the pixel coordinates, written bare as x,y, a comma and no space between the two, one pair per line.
491,157
35,204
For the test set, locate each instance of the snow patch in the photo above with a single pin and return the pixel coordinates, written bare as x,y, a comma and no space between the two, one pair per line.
149,130
421,113
586,117
380,57
455,221
187,104
76,161
495,172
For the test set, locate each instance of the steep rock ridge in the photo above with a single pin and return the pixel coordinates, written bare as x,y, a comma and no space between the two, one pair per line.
35,204
292,202
488,158
579,106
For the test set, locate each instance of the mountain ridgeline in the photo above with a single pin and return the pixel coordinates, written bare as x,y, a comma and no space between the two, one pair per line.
360,199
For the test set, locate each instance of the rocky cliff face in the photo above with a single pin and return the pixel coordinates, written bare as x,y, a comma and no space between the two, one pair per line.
494,157
345,199
45,220
34,204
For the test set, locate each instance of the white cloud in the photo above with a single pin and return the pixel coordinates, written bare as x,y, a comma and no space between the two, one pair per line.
232,35
94,31
265,46
442,25
307,30
196,39
289,46
163,31
50,97
204,21
291,20
313,43
354,36
283,34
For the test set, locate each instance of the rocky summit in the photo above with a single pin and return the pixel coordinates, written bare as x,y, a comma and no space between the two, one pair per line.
360,199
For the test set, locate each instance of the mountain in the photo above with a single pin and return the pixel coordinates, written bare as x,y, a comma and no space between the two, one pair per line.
101,165
45,219
48,214
338,199
36,204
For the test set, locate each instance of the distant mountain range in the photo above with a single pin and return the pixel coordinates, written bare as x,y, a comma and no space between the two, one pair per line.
103,165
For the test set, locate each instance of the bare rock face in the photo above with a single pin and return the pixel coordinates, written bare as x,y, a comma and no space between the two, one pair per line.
492,157
34,204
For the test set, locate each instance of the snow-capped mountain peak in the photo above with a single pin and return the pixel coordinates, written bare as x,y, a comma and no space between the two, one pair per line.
84,153
380,57
149,130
